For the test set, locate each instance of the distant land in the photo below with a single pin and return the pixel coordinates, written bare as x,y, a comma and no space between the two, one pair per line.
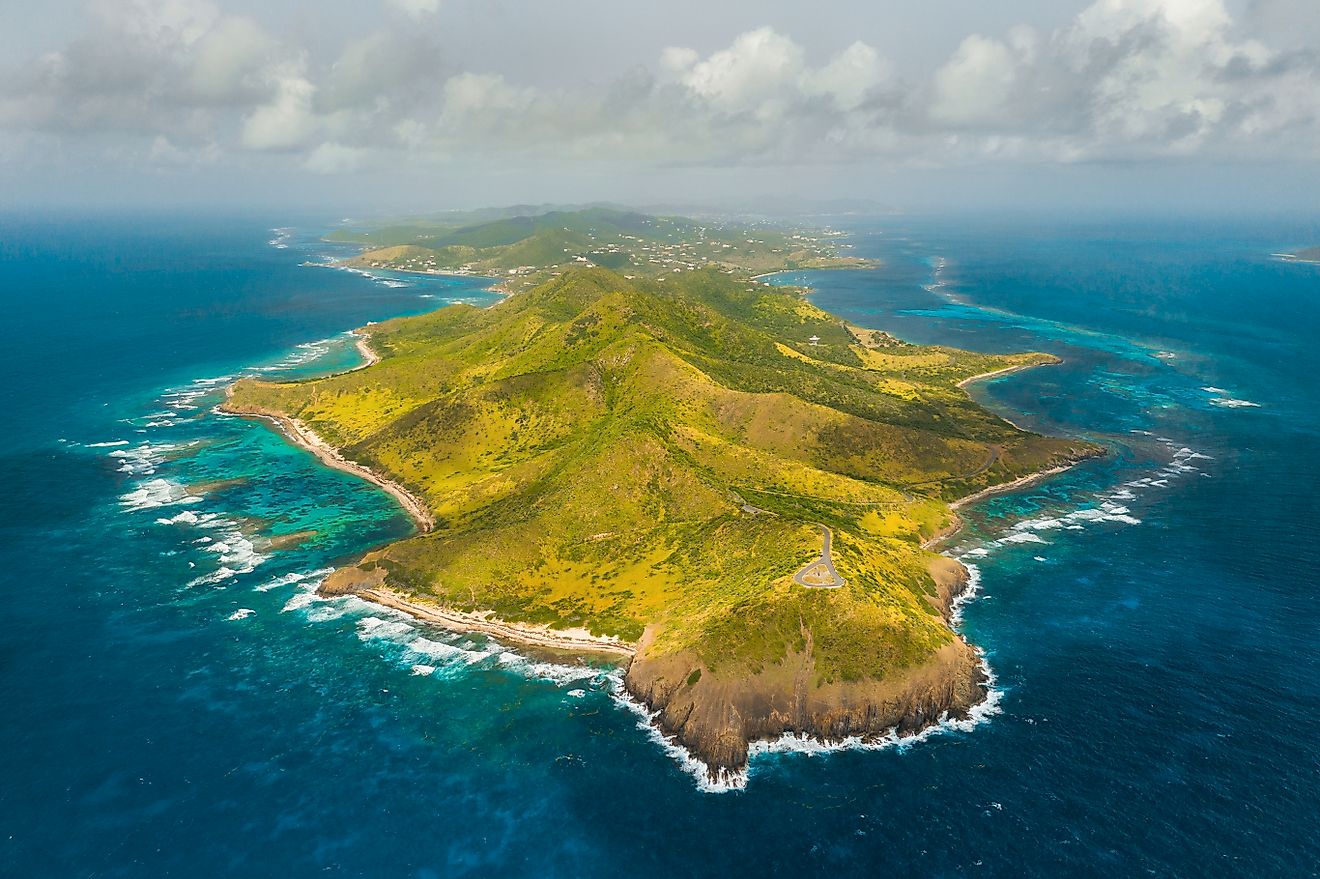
645,453
1310,254
525,249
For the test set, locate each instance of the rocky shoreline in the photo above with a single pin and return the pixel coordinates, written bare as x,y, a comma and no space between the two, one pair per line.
716,717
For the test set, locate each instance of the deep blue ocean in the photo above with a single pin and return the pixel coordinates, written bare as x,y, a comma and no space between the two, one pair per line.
176,702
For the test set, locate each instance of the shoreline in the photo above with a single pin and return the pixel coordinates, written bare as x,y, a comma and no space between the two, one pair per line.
1020,482
580,642
307,439
304,437
540,637
496,284
1001,488
1005,371
363,344
867,264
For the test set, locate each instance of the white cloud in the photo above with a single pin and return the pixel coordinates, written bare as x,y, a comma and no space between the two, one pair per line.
158,21
228,59
417,8
1132,79
472,96
1123,79
287,120
335,158
850,76
975,84
757,69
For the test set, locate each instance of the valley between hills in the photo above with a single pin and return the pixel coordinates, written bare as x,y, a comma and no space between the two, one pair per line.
701,474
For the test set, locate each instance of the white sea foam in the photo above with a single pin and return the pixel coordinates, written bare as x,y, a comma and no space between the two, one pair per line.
1106,508
188,397
306,595
303,599
143,459
554,672
219,575
1043,524
791,743
107,445
1225,400
302,354
187,517
577,694
375,627
234,551
1022,537
293,577
242,613
450,653
157,493
971,589
237,552
324,612
723,781
425,670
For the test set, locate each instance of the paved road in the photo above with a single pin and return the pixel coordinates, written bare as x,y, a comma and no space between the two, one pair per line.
825,561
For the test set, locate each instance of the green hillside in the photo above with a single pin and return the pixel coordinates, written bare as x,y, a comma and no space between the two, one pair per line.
533,247
657,457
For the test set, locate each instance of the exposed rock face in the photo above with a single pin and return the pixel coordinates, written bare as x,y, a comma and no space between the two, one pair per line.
716,717
950,579
351,580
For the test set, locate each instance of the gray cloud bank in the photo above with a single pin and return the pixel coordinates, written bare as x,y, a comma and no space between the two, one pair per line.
160,84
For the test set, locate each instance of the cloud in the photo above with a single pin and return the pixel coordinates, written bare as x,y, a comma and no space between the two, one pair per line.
417,8
850,77
227,63
178,80
335,158
1133,79
976,83
286,121
765,73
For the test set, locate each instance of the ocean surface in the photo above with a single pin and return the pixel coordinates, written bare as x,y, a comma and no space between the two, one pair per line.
176,702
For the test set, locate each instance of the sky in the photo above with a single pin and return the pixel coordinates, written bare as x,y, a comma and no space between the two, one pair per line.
403,105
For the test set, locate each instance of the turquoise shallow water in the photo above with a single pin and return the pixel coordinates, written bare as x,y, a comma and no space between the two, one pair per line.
177,703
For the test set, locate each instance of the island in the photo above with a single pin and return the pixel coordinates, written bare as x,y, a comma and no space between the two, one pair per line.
525,250
697,473
1310,254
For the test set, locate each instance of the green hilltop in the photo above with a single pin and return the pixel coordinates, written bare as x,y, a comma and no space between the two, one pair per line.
652,458
529,248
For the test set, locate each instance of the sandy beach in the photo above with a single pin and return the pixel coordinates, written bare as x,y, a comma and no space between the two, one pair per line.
539,637
304,437
996,372
370,357
543,637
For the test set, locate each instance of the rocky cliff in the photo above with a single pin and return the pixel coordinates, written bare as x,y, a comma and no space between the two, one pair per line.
717,716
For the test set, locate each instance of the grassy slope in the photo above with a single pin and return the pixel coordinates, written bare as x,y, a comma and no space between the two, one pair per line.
587,448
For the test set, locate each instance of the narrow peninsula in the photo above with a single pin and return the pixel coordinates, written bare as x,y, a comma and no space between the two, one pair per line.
704,475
